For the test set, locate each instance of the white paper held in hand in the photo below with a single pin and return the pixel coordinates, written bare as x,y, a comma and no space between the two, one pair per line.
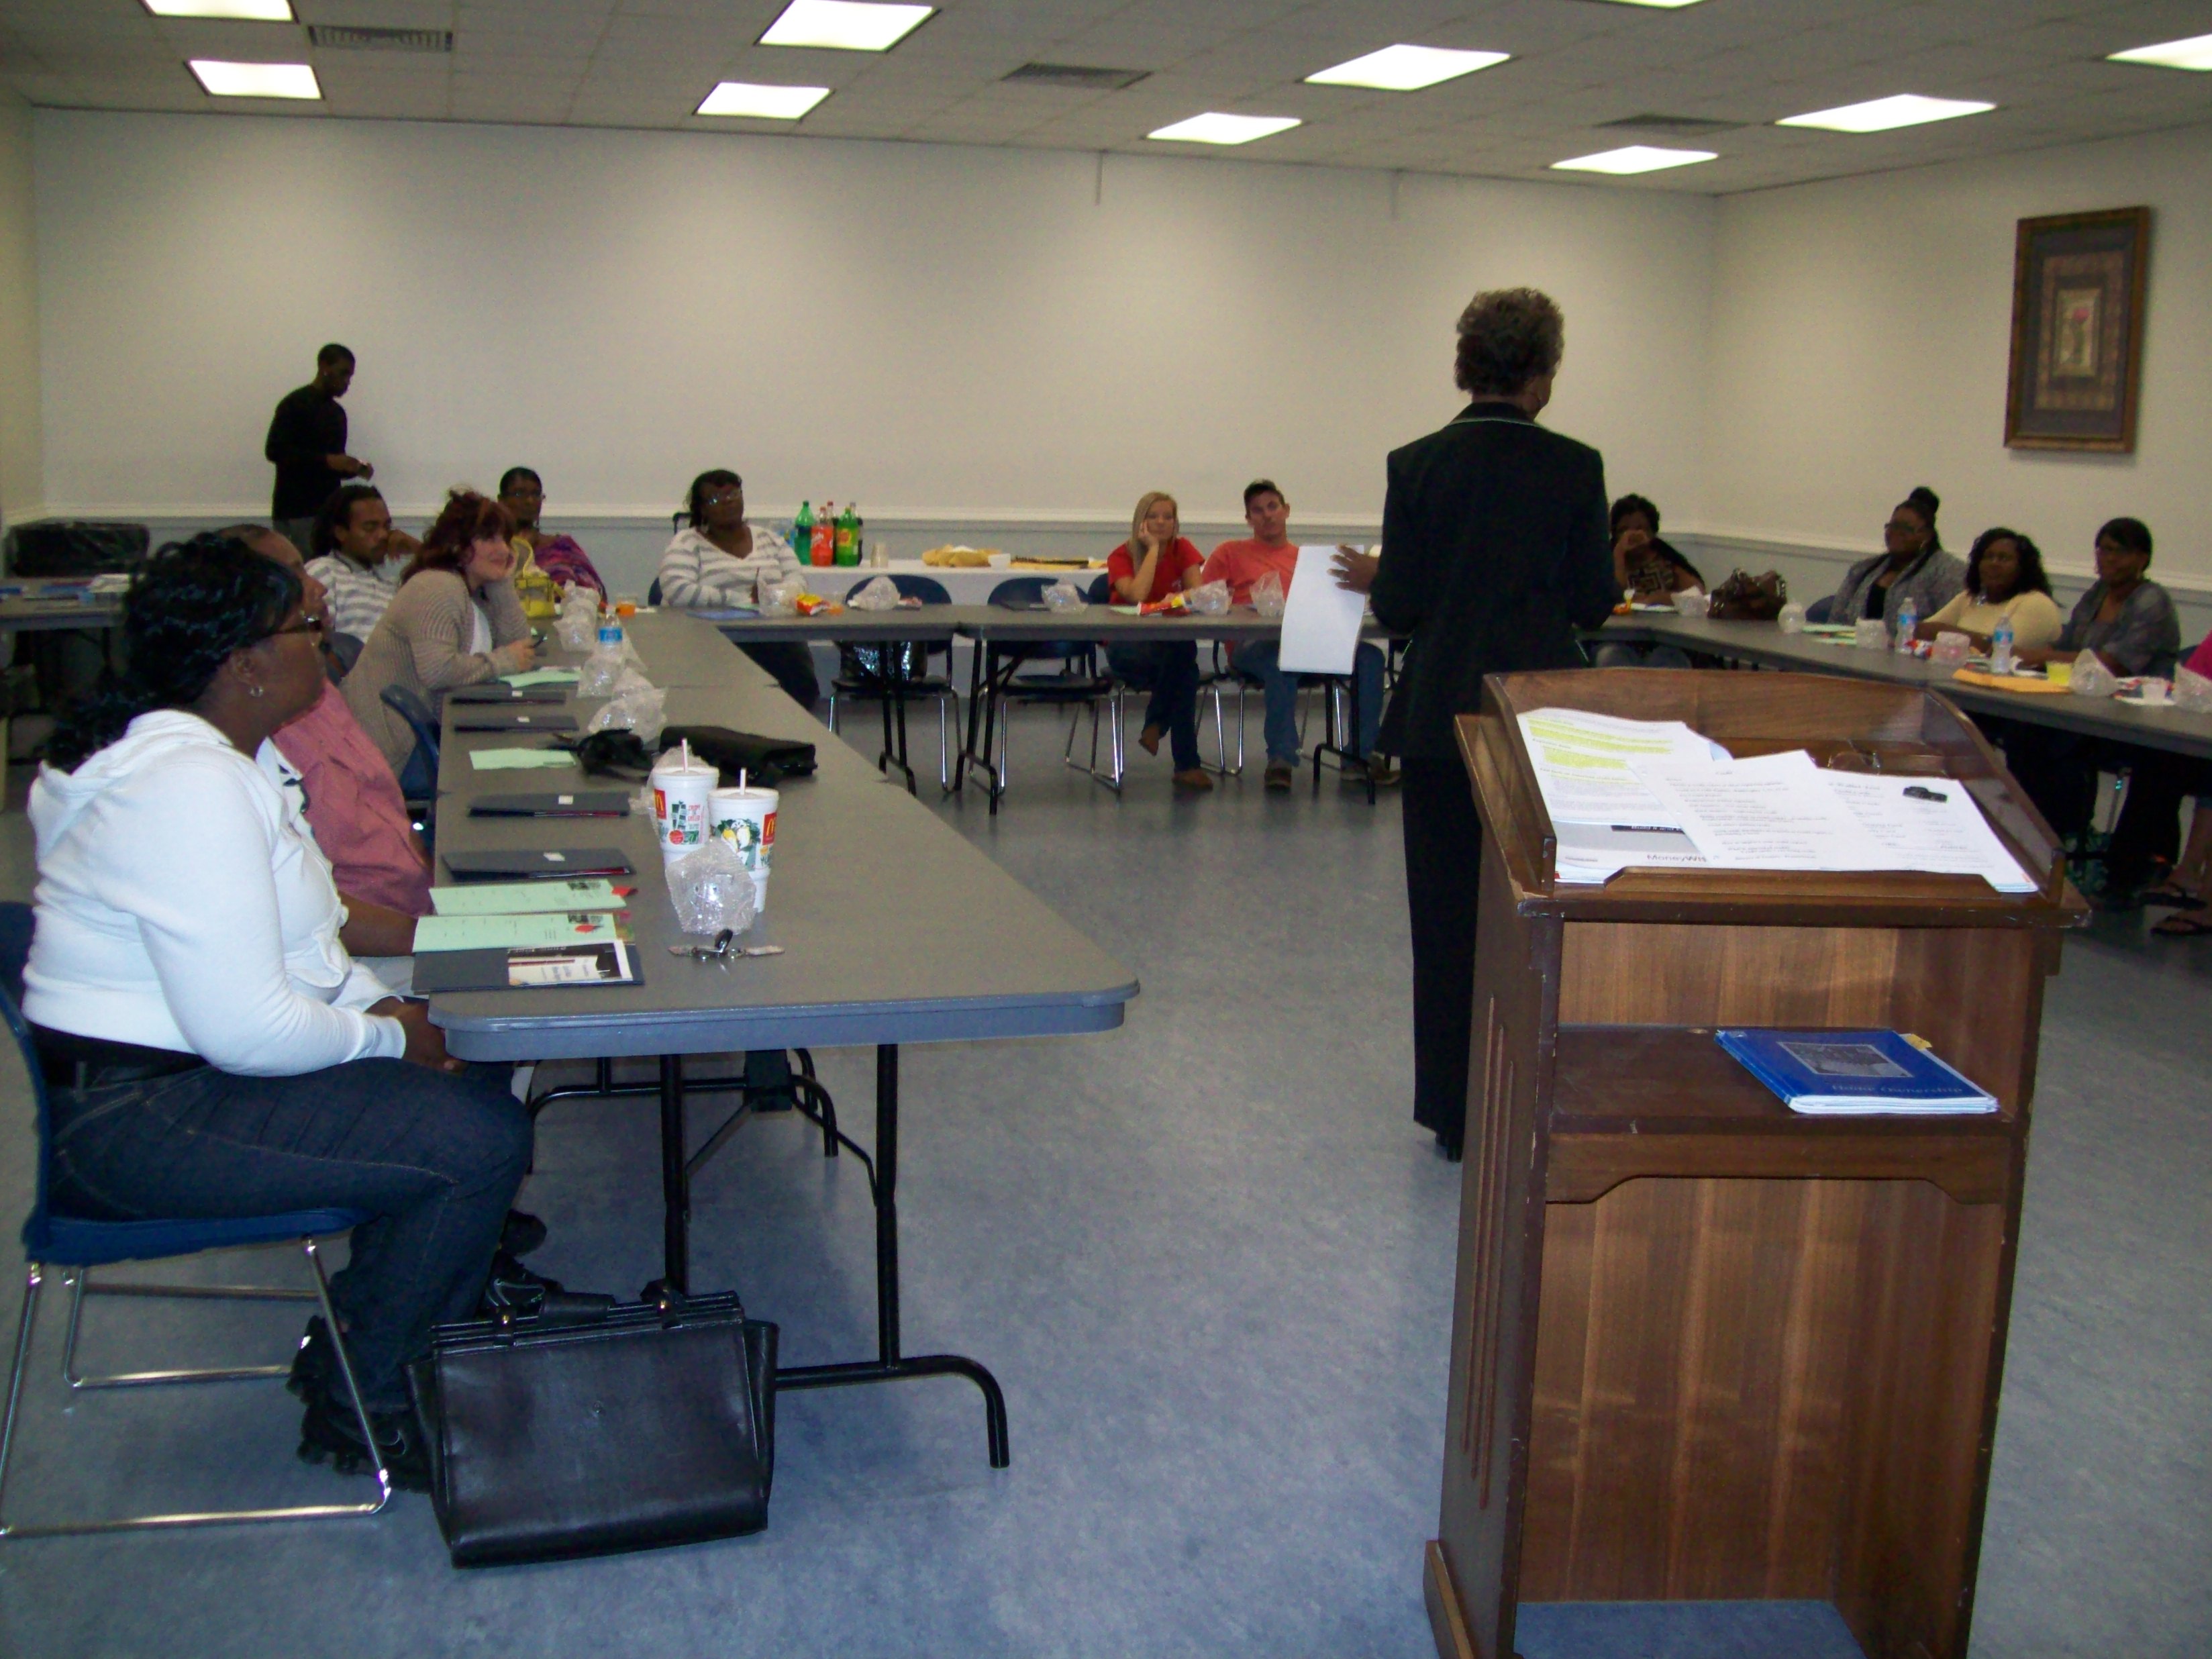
1321,621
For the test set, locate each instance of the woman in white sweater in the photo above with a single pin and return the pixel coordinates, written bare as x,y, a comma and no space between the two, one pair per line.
719,558
210,1048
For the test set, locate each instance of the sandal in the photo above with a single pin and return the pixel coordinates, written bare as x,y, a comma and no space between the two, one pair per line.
2172,898
2183,927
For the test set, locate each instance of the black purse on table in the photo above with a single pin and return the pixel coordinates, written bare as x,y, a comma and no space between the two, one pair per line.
624,1428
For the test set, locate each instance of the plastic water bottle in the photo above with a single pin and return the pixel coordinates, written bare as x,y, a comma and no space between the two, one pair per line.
1908,619
611,629
2001,646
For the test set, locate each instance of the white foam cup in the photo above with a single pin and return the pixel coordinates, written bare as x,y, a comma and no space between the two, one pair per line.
683,802
746,817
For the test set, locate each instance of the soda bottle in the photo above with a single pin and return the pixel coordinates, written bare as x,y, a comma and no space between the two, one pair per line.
823,544
802,531
848,543
2001,646
1908,619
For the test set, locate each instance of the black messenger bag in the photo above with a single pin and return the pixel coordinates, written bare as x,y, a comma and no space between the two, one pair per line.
646,1425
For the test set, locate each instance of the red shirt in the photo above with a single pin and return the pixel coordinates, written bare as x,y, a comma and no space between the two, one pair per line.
356,809
2200,661
1241,564
1167,574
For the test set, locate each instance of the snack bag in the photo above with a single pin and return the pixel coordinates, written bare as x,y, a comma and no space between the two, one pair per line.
712,890
1267,595
1210,600
877,594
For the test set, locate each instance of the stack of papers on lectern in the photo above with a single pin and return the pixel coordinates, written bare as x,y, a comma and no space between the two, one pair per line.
1628,794
1854,1073
1782,812
1605,817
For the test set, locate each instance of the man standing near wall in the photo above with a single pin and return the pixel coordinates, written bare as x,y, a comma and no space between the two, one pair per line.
307,444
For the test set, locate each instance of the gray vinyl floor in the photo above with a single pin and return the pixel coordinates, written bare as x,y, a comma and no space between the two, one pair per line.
1209,1255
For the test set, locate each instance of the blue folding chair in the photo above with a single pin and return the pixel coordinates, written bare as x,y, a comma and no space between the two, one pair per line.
1079,684
418,779
77,1246
895,672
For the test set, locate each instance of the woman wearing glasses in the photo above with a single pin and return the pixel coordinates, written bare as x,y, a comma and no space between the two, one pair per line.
720,557
211,1047
1912,565
455,621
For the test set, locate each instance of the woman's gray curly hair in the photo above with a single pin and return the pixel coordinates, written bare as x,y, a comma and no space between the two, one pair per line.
1508,336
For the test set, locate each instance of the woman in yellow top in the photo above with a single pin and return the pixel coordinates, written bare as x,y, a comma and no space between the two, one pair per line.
2004,577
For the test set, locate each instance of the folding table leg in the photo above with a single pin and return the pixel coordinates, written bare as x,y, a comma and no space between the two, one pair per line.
675,1183
891,1365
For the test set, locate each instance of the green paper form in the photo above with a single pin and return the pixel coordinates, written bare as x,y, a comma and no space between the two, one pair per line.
543,677
520,760
510,932
506,898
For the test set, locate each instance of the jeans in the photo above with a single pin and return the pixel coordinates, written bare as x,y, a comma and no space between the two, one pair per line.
1169,670
1641,656
1279,696
792,665
435,1159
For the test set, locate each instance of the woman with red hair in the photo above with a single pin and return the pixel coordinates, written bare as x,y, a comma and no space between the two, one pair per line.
455,621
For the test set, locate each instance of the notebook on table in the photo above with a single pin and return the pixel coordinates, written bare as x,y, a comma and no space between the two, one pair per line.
573,804
609,962
480,719
537,864
498,691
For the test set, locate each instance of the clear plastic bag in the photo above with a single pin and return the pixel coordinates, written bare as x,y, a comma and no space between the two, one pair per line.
578,624
1791,617
1063,598
636,704
2091,679
601,673
2192,692
712,890
1950,650
1210,599
779,597
877,593
1268,594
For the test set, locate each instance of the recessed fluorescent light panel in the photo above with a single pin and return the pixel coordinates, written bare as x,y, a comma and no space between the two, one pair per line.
1906,109
252,11
1663,5
1634,158
843,25
763,103
256,80
2194,53
1215,128
1406,69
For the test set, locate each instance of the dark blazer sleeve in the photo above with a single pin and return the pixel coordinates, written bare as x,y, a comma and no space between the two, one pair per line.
1398,585
1587,592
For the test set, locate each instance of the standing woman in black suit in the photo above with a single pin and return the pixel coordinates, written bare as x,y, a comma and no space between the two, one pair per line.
1494,552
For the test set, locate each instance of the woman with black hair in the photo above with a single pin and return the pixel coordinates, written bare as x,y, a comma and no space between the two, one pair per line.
210,1048
2125,619
1911,565
2004,582
720,557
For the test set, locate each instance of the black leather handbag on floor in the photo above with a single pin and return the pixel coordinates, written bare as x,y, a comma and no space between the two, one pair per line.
647,1425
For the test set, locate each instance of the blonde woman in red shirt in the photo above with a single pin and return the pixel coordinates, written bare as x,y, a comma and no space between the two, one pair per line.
1155,561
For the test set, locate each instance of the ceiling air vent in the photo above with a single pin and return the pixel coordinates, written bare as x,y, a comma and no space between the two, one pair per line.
335,37
1075,74
1681,126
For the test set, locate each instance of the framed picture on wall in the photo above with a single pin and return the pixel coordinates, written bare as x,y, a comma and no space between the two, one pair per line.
2077,320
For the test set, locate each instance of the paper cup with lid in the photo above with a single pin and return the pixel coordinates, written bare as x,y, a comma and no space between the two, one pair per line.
746,817
683,801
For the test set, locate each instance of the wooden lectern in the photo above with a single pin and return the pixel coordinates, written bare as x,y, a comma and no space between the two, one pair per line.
1704,1347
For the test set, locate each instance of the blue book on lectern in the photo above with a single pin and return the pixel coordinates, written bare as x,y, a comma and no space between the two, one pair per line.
1853,1072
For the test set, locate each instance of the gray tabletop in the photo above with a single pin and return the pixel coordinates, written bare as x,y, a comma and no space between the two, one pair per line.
1765,643
894,928
932,624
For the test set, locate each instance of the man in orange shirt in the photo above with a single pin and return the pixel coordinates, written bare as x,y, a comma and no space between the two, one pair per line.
1268,551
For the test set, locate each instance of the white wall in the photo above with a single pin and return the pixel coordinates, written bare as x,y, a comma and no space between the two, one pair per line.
961,336
21,476
1860,338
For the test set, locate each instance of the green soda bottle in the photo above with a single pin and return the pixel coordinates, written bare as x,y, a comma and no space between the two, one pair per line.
802,530
848,535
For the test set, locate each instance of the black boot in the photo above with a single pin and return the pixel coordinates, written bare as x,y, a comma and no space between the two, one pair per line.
331,1433
522,1234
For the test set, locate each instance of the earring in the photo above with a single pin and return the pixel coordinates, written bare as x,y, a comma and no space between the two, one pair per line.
252,691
